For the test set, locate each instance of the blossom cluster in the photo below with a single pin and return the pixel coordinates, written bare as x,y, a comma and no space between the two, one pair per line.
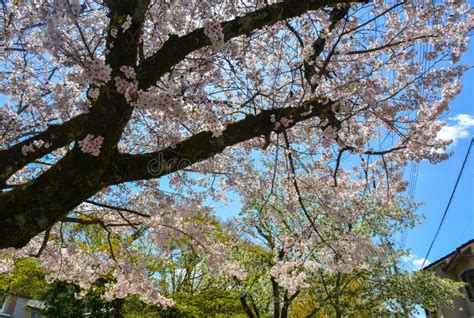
289,276
131,279
283,122
93,92
128,22
98,72
6,261
129,71
125,87
91,145
213,31
162,102
234,269
30,148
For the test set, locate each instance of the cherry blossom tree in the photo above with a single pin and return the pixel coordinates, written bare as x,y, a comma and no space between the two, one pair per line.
134,117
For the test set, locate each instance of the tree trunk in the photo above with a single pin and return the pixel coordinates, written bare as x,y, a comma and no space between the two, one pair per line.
286,305
246,307
118,308
276,298
254,306
337,305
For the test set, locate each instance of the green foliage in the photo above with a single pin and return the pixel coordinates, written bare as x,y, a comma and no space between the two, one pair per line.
406,290
134,308
210,302
26,280
197,291
63,303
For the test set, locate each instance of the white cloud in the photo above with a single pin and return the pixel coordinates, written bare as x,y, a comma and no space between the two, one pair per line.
414,262
460,128
465,120
417,262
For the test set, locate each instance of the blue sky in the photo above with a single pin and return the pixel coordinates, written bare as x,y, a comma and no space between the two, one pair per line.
435,182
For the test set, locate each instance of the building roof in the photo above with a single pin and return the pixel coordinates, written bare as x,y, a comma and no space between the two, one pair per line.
446,257
36,304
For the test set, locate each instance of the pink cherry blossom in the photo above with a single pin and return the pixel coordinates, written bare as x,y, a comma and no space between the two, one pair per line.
91,145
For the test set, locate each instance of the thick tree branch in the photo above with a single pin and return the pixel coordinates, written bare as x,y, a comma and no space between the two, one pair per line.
204,145
53,138
107,206
97,221
43,244
103,120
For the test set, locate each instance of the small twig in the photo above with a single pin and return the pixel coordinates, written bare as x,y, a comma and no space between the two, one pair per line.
338,162
104,205
300,199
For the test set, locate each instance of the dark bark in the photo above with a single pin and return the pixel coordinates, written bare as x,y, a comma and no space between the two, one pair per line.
56,136
286,305
276,298
29,209
313,313
246,307
287,302
254,306
118,305
337,302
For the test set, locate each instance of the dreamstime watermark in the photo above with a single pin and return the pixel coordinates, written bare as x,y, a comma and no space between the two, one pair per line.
160,166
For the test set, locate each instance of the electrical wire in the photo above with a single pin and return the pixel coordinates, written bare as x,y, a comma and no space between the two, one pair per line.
449,202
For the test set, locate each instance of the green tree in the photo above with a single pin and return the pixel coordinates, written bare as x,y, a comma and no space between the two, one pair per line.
26,280
198,292
62,302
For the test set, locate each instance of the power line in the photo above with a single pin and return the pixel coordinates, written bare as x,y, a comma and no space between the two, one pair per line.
423,48
449,202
